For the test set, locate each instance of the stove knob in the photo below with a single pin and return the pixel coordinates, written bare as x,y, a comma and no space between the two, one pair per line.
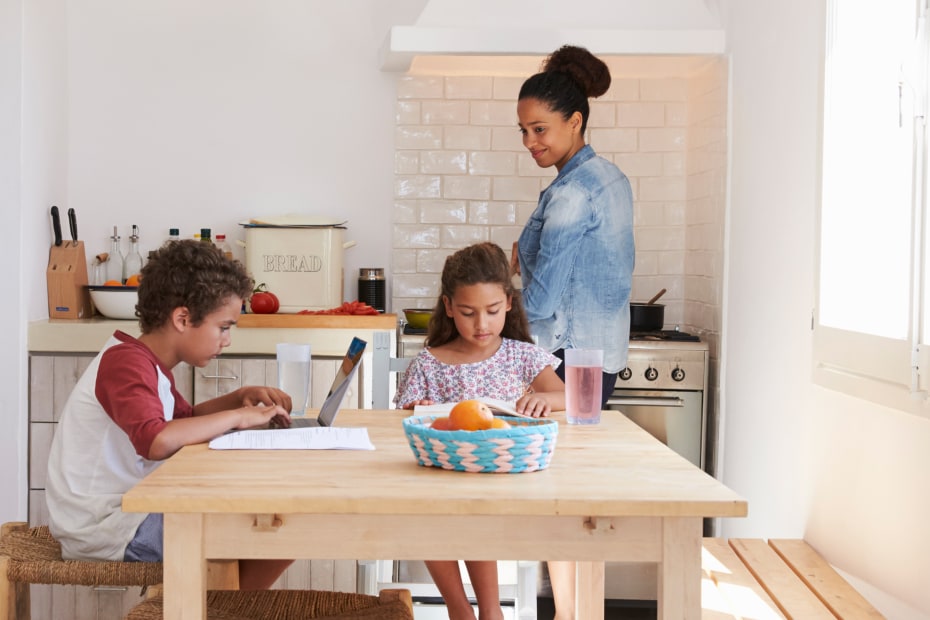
651,374
678,374
626,374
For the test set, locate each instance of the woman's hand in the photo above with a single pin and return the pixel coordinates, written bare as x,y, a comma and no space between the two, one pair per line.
413,403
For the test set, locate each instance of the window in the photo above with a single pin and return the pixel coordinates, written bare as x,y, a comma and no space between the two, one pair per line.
874,277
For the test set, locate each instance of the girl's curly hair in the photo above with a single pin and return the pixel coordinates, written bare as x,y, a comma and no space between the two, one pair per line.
482,263
188,274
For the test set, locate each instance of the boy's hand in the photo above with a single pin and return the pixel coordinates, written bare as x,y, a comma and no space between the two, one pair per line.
263,395
260,415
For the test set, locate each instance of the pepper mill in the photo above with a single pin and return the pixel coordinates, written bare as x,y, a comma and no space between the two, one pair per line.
371,287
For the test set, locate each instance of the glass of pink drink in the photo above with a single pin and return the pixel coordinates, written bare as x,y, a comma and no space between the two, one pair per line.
583,375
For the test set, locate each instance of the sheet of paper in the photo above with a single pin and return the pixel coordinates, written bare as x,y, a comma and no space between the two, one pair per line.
314,438
496,405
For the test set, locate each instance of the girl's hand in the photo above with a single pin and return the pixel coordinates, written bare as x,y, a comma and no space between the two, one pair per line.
262,395
260,415
414,403
534,405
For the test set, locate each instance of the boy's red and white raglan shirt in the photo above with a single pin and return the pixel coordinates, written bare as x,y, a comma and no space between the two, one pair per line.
120,404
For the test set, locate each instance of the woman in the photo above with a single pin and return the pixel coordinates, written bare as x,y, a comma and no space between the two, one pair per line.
576,251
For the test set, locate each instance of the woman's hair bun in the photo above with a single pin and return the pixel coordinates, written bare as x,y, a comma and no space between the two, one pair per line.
587,70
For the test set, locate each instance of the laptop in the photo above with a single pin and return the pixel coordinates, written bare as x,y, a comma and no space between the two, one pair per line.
337,390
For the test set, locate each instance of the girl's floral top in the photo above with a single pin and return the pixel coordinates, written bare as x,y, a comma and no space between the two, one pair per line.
506,375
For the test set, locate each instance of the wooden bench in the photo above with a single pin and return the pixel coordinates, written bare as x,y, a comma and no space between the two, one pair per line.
785,578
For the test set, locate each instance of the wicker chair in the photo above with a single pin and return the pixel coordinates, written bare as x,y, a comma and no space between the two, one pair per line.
32,555
292,605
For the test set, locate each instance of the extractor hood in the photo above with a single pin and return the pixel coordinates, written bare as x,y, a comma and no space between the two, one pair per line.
538,27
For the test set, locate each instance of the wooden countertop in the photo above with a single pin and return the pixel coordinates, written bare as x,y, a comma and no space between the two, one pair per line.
318,321
255,334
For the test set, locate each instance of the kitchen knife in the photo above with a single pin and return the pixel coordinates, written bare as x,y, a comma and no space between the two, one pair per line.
56,225
72,223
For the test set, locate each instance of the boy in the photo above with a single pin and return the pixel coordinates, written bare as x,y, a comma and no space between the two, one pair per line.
125,416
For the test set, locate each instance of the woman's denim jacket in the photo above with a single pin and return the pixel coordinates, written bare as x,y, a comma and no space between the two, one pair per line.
576,259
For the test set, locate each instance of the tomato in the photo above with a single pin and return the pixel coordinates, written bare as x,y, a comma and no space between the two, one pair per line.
264,301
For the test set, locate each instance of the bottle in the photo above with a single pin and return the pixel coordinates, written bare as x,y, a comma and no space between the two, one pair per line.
371,287
114,269
132,265
205,236
223,246
174,234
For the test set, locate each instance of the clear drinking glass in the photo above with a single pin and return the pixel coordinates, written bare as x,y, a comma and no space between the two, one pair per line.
294,374
583,378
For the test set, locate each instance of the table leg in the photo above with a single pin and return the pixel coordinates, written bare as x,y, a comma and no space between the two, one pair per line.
680,569
589,590
185,568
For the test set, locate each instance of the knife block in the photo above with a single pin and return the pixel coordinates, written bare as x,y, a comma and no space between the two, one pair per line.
66,276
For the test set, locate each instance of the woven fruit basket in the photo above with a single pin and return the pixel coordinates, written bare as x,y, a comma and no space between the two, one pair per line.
526,446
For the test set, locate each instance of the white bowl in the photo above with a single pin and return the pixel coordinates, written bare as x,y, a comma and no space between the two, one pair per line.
115,302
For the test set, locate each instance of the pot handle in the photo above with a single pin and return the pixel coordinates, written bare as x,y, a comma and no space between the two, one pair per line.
349,244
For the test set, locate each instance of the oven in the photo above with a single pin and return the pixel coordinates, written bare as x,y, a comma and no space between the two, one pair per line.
663,390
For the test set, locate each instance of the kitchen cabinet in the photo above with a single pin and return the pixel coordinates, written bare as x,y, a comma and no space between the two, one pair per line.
225,374
51,379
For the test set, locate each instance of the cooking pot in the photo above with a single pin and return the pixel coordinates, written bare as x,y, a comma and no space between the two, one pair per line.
647,317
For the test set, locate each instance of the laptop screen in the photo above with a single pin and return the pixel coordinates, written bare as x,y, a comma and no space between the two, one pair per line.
341,382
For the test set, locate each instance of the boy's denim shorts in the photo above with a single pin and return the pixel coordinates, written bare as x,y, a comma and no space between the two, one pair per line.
147,544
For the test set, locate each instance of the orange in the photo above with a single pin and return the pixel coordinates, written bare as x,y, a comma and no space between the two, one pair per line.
441,424
133,280
498,423
471,415
112,283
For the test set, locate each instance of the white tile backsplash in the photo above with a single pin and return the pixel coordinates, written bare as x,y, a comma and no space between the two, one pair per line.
444,113
492,163
515,188
641,114
443,162
469,87
462,175
467,187
467,138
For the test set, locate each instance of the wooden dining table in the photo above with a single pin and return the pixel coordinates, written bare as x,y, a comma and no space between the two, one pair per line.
611,492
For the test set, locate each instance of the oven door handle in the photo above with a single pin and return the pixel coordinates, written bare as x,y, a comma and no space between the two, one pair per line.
648,401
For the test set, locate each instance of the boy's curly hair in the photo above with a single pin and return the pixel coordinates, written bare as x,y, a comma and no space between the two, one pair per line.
188,274
482,263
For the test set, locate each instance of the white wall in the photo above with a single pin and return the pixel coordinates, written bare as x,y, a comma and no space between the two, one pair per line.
172,114
205,114
13,309
850,477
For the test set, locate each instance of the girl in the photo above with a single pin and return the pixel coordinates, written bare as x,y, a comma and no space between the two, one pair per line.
575,253
478,344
